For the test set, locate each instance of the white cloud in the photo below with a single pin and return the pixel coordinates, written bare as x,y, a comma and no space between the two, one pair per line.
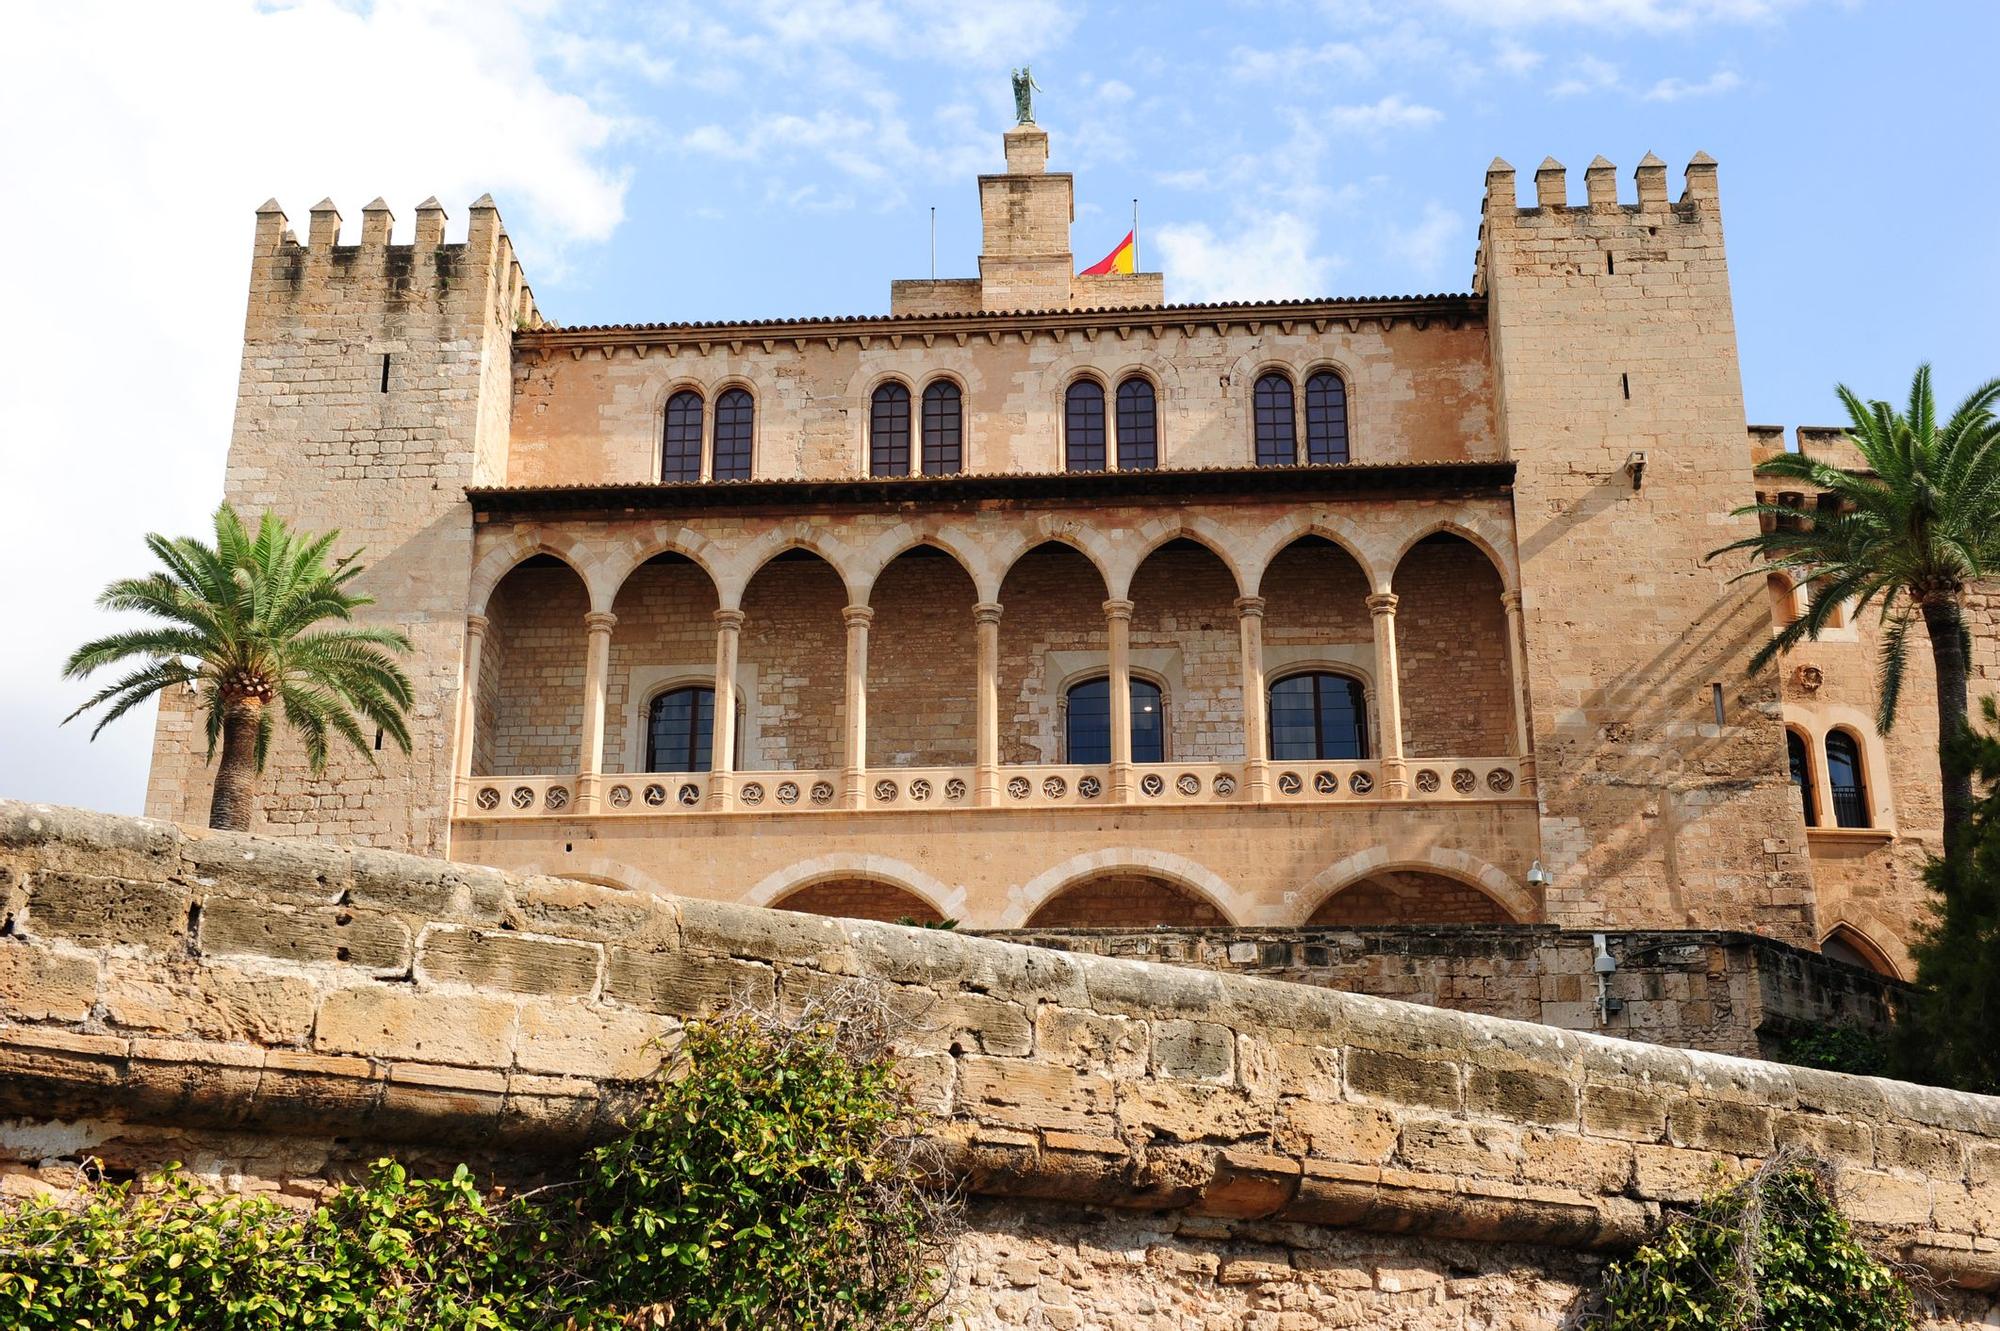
1513,58
1391,112
1587,74
1430,244
1111,90
1265,258
1632,15
1674,89
156,131
1291,64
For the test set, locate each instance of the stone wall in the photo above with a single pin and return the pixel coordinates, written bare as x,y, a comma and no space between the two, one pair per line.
1728,993
1145,1144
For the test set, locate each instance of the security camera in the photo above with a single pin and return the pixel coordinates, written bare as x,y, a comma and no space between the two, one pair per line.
1604,963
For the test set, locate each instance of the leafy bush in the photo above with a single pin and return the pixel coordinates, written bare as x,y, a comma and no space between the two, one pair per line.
1839,1048
1772,1253
775,1183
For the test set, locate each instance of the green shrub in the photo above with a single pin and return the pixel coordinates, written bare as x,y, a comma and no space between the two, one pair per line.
775,1183
1840,1048
1771,1253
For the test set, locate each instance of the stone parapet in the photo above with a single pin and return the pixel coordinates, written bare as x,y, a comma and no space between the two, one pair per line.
228,983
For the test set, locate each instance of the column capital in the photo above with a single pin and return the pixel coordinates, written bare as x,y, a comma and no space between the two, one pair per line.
729,620
986,612
857,616
1382,603
476,625
600,621
1248,606
1510,600
1117,609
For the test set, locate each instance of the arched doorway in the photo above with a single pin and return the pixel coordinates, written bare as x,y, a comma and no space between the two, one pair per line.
1125,901
1409,896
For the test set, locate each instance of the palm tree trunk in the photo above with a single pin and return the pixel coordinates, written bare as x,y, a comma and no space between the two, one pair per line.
236,773
1947,634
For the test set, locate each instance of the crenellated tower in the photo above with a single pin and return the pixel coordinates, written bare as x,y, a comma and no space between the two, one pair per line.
374,388
1661,760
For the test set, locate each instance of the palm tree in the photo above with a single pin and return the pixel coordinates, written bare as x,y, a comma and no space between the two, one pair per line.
1909,534
237,627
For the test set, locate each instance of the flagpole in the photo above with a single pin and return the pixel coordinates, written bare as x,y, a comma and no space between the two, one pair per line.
933,242
1135,235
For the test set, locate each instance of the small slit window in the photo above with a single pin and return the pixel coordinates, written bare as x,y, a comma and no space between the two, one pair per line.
889,431
1277,431
735,418
1846,780
944,427
680,449
1138,425
1083,426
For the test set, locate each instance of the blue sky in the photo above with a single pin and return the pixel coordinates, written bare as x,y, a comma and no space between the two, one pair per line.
751,158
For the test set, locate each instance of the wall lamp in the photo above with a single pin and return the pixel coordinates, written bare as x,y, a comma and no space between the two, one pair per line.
1538,876
1635,462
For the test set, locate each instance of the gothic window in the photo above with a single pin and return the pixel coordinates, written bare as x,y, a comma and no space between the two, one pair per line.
1087,722
1138,432
1326,418
1800,759
1277,433
734,416
1083,426
889,431
1844,776
1318,717
680,449
944,449
679,730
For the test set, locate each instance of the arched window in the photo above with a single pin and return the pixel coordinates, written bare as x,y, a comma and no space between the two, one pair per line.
1083,426
1138,428
944,452
680,448
1087,722
889,431
734,416
1326,418
679,730
1318,717
1850,946
1801,764
1784,599
1844,777
1277,432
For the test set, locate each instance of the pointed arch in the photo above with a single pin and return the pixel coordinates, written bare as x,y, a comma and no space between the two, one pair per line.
747,560
1489,543
1854,938
1266,545
1138,544
622,560
869,563
1053,529
520,547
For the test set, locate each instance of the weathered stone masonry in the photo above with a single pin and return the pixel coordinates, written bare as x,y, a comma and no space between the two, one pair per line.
1144,1145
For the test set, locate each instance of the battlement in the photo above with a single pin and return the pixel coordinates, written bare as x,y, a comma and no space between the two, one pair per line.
426,267
1502,207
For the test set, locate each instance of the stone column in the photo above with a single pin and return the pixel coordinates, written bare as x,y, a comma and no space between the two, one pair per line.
1517,667
855,754
1389,697
1118,628
722,735
596,682
468,700
986,625
1256,728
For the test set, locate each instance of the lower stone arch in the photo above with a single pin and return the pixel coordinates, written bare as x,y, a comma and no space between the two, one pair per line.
1190,884
857,898
1461,889
891,880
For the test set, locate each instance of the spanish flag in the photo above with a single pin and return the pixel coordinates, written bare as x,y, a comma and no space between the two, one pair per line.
1118,261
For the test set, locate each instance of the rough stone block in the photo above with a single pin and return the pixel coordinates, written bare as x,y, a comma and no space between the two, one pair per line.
1016,1093
377,1021
1092,1041
1334,1131
369,939
588,1040
685,984
85,908
1722,1125
516,963
1521,1096
215,1001
1378,1074
1194,1049
38,984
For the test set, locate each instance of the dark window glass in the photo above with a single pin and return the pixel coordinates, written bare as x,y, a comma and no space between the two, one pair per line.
679,730
680,452
734,415
1843,775
1801,762
1138,435
889,431
1277,434
1083,426
1087,721
943,423
1318,717
1326,418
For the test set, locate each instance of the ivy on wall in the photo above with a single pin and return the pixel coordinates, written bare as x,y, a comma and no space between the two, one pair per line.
1771,1253
775,1183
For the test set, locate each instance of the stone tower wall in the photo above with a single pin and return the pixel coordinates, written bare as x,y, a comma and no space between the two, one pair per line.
326,436
1612,336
